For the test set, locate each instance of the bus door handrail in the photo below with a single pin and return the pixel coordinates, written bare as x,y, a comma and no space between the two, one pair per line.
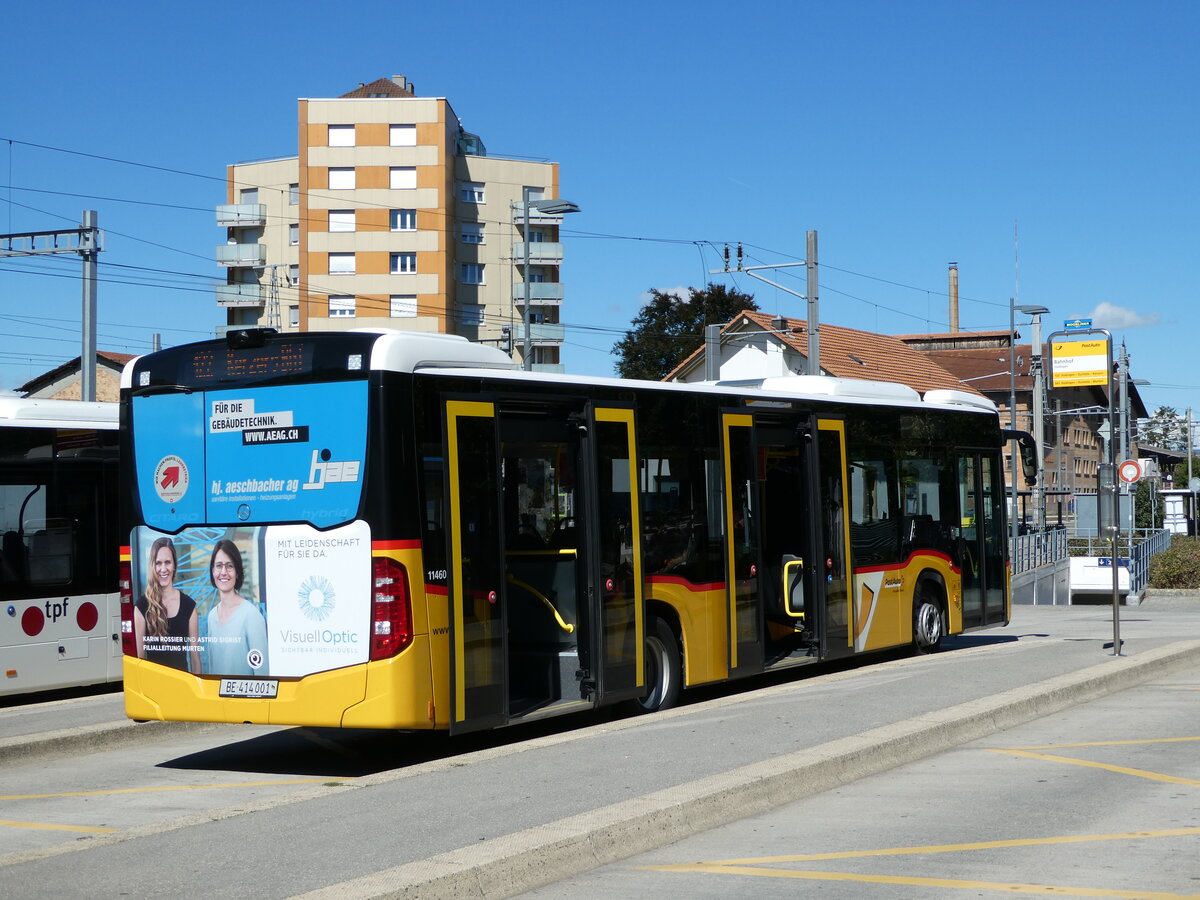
565,626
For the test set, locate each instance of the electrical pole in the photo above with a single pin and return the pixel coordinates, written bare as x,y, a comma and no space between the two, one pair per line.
87,241
814,324
810,264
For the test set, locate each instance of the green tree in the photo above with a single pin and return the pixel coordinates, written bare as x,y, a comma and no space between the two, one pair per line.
1179,474
668,329
1166,428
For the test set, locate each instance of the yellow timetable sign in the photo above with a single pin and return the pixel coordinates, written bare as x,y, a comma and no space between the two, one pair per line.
1078,363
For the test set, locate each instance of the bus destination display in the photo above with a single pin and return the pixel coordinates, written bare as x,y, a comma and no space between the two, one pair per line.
283,358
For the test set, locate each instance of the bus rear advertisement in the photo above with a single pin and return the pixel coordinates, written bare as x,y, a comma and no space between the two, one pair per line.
399,530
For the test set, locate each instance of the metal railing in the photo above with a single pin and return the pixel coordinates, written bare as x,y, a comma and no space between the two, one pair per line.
1032,551
1137,546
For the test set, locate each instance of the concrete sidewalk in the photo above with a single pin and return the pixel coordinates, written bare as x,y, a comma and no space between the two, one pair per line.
497,821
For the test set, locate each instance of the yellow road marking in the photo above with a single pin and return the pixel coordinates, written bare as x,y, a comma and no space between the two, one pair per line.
955,848
1086,763
88,829
1009,888
151,790
1108,743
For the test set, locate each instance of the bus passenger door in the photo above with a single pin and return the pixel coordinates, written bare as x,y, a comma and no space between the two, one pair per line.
615,572
834,563
788,542
476,579
981,544
742,548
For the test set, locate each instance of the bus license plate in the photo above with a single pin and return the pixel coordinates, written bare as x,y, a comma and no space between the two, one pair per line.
243,687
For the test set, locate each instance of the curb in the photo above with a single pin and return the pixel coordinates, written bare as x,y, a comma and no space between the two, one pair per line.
538,856
95,738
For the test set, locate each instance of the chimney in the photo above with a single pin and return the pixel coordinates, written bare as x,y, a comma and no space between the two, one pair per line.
953,298
405,85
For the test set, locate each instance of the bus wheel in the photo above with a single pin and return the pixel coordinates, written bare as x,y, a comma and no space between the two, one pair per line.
664,672
927,622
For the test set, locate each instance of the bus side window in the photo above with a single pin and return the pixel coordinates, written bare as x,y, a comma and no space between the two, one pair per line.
52,552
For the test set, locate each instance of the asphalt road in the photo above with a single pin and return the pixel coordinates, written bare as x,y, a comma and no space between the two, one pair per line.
105,806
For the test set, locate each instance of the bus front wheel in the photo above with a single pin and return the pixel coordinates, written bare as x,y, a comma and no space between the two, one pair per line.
664,670
927,622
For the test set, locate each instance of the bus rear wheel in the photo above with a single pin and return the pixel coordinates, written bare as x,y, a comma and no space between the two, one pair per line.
927,622
664,670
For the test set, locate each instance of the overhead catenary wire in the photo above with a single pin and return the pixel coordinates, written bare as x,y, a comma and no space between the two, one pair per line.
504,223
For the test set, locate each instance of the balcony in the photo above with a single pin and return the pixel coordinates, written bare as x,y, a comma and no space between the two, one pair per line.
540,252
240,295
241,215
542,293
241,255
549,368
541,332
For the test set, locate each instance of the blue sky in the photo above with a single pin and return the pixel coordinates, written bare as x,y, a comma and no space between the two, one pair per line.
907,134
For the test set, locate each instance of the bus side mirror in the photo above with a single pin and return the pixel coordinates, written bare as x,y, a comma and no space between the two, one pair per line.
1027,448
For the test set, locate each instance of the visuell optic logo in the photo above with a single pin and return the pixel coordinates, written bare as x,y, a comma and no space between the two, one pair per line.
316,598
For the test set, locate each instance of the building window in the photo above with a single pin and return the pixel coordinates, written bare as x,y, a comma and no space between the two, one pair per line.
403,178
341,263
294,234
403,135
294,276
249,195
471,273
293,194
294,316
341,306
341,179
341,135
404,263
471,192
404,306
404,220
471,314
471,232
341,220
537,236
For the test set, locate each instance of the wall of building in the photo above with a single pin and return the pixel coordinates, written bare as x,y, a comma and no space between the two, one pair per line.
438,295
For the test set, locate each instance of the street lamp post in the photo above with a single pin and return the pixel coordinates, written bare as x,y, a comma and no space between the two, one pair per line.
1035,364
1039,419
550,208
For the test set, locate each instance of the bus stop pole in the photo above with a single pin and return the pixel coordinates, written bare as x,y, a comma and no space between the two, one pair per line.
1115,527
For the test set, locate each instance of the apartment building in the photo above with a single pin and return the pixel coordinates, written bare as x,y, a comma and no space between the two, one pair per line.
392,215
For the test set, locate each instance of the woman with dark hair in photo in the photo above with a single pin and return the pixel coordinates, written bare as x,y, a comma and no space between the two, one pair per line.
165,622
237,631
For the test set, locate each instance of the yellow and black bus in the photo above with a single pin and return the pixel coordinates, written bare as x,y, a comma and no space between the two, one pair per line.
399,530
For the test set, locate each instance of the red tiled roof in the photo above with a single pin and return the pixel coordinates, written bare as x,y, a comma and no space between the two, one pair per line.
381,86
115,360
850,353
986,369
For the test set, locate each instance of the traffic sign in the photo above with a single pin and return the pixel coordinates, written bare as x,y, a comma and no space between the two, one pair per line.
1129,471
